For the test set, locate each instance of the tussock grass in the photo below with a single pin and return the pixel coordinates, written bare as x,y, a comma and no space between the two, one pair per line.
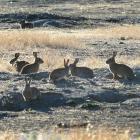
23,39
127,31
5,66
44,40
133,62
8,136
74,134
53,60
96,62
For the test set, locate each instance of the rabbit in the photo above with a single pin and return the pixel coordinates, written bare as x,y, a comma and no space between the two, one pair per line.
83,72
30,93
12,61
34,67
25,24
119,70
18,64
60,72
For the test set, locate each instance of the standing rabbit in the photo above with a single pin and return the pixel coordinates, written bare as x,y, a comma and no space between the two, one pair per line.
18,65
30,93
119,70
83,72
34,67
60,72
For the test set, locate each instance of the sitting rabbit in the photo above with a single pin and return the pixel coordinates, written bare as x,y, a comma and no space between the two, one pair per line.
18,65
30,93
60,72
83,72
119,70
34,67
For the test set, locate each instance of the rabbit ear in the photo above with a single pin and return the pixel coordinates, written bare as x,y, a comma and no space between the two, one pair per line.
26,80
29,80
66,62
114,54
76,61
17,54
35,54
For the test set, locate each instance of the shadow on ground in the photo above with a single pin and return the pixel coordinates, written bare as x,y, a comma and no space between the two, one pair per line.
73,92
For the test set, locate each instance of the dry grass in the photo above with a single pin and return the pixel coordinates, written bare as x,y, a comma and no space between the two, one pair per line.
8,136
98,135
19,39
5,66
53,60
42,40
96,62
75,134
127,31
133,62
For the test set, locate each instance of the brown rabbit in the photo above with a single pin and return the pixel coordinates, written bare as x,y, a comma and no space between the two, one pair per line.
34,67
18,64
12,61
60,72
83,72
25,24
119,70
30,93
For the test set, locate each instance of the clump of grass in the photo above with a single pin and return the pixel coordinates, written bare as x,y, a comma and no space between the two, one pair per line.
133,62
5,67
117,32
94,62
100,134
52,59
8,136
21,39
72,134
40,40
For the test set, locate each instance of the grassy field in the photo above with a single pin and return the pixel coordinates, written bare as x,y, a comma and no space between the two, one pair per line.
76,134
48,42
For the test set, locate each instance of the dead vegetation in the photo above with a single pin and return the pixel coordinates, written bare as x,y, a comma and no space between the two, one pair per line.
74,134
19,39
128,32
53,40
5,66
